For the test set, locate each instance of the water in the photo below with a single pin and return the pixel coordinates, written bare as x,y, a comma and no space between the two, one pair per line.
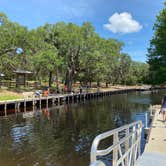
63,136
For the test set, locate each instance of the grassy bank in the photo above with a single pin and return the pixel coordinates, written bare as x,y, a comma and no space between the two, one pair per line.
8,95
13,95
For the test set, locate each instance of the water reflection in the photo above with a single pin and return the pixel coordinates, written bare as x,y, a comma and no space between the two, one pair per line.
63,135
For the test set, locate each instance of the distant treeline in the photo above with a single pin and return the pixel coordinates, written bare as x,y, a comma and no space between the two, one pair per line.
67,52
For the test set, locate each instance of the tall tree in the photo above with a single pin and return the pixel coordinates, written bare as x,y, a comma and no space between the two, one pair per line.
12,37
47,60
44,55
111,52
157,50
74,53
138,73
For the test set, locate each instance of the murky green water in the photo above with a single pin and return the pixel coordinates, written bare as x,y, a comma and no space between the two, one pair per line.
63,136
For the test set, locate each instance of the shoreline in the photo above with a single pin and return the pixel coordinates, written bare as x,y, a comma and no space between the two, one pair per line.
60,99
6,95
16,96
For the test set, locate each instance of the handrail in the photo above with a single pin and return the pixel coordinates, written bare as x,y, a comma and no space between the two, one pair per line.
131,142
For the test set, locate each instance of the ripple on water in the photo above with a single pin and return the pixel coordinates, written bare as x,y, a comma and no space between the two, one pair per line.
64,135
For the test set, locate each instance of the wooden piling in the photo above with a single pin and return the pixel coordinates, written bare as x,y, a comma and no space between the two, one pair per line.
59,99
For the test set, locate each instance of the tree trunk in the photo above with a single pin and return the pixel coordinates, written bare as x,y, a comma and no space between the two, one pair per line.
57,78
50,78
98,83
37,79
69,79
90,84
106,84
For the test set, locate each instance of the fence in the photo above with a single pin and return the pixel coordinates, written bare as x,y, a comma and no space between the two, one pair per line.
125,147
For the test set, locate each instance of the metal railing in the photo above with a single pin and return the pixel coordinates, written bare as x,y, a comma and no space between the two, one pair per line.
125,146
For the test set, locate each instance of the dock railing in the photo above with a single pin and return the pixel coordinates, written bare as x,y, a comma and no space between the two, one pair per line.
125,146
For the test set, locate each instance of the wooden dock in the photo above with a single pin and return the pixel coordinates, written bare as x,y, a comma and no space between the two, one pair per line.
59,99
155,149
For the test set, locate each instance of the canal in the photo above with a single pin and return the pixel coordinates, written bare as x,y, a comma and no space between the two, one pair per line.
62,136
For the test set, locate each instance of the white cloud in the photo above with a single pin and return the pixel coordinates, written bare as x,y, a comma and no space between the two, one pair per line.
123,23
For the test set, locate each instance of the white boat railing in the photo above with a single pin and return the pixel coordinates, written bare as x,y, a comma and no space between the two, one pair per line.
125,146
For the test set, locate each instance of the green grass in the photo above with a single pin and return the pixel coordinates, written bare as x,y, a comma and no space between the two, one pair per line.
8,97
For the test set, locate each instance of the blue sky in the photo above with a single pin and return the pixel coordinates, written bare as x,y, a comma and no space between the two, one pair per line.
129,21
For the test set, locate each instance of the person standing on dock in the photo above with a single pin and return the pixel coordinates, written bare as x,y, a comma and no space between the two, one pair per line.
163,108
46,92
65,88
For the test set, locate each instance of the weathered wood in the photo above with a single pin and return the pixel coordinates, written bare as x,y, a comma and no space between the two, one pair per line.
60,98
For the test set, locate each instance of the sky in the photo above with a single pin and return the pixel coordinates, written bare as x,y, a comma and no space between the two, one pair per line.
130,21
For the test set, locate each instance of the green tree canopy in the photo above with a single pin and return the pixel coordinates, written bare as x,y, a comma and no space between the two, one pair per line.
69,52
157,50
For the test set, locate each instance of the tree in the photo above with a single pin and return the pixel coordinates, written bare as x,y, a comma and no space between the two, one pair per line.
138,73
111,51
44,55
157,50
73,44
68,51
91,59
12,37
46,60
124,67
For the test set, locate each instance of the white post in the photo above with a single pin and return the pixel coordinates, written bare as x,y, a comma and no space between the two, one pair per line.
115,151
146,120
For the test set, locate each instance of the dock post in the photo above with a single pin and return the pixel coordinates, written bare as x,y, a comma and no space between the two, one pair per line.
40,101
133,140
40,104
146,129
47,102
5,106
139,145
58,100
127,146
33,102
24,109
5,109
24,103
18,107
5,113
15,106
53,101
146,120
33,108
115,151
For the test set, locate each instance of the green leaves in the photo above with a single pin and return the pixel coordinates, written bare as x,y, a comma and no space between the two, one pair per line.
68,51
157,50
47,59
